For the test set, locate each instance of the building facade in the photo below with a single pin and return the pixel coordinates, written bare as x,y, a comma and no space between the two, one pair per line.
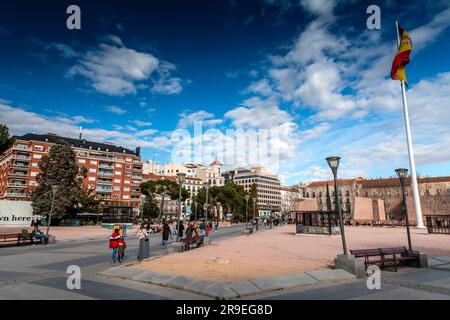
267,186
434,194
113,173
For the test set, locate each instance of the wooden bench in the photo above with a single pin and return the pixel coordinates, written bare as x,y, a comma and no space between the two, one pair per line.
384,256
190,242
10,237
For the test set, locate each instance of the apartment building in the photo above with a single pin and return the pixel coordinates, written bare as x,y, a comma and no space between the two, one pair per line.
267,187
113,173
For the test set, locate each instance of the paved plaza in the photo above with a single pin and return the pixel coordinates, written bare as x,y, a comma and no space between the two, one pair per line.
38,272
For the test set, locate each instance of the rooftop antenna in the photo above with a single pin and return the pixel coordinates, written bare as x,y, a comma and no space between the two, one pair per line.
81,132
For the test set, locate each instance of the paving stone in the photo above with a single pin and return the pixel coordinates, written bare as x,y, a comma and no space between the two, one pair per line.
444,259
297,280
144,276
330,275
162,279
129,273
432,262
244,288
220,291
199,286
180,282
268,284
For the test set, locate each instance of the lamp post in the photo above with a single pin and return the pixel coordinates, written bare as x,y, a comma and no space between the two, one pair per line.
247,197
181,177
195,204
333,162
254,208
54,191
402,174
206,203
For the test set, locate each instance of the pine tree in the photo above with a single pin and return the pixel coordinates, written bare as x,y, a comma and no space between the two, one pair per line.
5,141
58,168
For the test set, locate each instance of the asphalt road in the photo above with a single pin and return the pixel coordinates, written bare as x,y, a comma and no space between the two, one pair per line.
39,272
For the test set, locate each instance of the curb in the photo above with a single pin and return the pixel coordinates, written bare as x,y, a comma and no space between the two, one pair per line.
233,290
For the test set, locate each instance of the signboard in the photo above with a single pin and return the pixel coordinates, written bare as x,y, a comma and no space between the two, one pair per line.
15,213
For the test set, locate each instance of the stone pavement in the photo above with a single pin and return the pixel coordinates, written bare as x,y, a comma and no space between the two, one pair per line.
219,290
406,284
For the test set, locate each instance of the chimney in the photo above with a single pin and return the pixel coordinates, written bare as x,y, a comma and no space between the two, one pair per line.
138,151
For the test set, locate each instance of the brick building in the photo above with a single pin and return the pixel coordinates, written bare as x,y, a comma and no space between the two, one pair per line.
434,195
113,173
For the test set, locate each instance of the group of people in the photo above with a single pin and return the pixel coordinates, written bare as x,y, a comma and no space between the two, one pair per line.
118,245
193,229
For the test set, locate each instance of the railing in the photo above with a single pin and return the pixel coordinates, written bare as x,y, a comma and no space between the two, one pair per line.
24,158
137,177
19,175
104,182
21,148
16,195
22,167
16,185
438,224
107,174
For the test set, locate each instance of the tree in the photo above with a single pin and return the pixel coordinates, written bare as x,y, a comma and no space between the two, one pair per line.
164,189
150,208
5,141
58,168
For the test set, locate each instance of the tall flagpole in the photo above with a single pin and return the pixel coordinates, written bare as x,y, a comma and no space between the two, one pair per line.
414,185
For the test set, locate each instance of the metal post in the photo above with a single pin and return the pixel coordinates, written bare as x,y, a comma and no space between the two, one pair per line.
206,204
338,209
405,211
195,210
246,212
54,190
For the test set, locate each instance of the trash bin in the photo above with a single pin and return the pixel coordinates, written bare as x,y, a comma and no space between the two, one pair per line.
144,249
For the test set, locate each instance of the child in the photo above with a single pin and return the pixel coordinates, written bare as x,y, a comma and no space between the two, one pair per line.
121,249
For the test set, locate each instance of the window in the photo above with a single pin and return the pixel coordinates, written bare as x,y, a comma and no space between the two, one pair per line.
117,181
427,192
91,178
126,189
128,166
37,156
438,191
118,173
126,197
118,165
92,170
93,162
34,174
38,148
82,161
34,164
127,182
116,188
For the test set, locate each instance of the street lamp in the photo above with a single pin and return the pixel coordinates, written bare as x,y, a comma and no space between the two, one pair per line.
403,174
254,208
206,203
247,197
54,191
181,177
195,204
333,162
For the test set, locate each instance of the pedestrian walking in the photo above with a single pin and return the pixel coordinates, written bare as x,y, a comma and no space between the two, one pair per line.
114,244
142,235
180,229
121,249
166,233
216,226
202,228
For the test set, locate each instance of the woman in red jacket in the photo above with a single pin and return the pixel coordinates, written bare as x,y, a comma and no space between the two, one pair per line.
114,244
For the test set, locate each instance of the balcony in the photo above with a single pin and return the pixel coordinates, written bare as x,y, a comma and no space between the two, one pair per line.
16,185
15,195
104,191
21,157
19,148
137,177
106,174
15,174
105,182
19,166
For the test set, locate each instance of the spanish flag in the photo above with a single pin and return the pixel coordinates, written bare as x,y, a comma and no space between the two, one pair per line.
402,57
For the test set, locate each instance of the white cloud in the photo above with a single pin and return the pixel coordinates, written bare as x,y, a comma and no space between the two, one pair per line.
140,123
188,118
116,70
116,110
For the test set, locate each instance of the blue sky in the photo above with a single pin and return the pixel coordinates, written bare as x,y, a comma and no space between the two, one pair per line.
308,72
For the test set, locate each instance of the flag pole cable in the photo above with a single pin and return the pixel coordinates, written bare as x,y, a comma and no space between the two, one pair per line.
414,185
